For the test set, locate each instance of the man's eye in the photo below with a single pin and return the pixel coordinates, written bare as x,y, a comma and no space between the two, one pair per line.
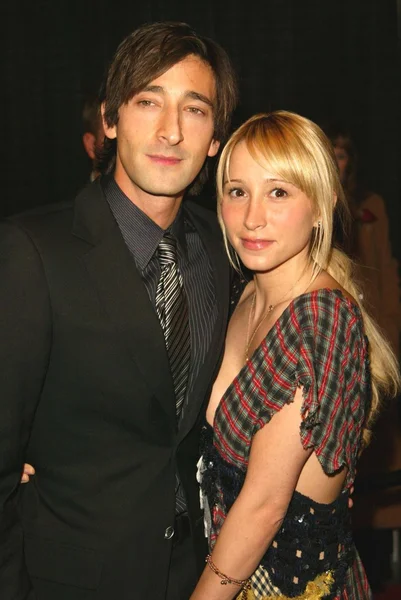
195,110
279,193
145,102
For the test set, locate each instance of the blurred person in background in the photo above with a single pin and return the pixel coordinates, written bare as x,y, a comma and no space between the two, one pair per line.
369,241
93,131
377,511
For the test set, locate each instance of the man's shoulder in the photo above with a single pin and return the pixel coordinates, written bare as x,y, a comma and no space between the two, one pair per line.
47,221
25,235
44,212
54,217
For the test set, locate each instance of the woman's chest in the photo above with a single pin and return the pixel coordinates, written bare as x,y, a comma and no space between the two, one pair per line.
231,366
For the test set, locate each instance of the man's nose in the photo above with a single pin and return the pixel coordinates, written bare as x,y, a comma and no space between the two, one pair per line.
170,128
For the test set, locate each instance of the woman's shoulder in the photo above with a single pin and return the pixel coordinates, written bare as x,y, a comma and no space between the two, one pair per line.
328,312
325,293
325,296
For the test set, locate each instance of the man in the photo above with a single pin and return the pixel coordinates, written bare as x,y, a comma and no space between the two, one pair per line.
113,315
93,131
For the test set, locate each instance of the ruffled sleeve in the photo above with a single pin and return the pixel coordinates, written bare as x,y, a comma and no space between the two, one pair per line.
320,346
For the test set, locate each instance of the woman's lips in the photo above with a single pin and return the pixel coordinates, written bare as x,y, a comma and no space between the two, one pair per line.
164,160
256,244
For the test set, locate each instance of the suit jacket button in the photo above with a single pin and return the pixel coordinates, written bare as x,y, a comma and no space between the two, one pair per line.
168,534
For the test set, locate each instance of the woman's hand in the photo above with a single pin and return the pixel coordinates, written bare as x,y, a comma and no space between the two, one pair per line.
27,473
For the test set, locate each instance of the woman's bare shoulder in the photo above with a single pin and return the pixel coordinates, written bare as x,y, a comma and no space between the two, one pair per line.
326,281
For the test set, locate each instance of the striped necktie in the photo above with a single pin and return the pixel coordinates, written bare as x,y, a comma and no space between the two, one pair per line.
172,309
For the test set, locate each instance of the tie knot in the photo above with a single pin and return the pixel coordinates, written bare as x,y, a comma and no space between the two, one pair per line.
167,250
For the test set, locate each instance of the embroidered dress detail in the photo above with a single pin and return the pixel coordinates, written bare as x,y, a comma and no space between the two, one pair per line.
315,590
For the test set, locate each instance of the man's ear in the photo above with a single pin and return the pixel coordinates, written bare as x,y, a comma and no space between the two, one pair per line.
110,132
213,148
89,142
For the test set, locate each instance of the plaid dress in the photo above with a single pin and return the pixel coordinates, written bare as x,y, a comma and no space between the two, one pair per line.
318,343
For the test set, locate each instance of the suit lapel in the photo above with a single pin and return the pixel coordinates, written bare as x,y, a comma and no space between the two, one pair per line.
122,293
214,246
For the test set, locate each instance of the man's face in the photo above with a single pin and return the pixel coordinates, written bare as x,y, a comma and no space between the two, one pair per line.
165,132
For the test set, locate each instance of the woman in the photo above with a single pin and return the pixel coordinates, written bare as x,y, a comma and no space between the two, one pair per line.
300,382
369,242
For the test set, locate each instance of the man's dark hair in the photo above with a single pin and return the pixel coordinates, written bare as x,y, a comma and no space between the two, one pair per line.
149,52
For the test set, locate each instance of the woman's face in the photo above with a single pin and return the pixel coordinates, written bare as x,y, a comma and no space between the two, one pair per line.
268,221
342,161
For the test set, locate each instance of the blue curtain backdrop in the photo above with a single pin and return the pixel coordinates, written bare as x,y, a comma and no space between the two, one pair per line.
325,60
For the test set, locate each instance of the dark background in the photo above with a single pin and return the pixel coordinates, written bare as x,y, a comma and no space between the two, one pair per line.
336,60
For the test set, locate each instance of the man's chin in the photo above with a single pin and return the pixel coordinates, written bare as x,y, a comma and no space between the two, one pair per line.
167,191
169,187
159,187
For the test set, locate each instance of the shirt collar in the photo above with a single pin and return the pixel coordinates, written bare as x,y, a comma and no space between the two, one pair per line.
140,232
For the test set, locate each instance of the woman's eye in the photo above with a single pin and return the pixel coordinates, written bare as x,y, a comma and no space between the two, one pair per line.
145,102
279,193
236,193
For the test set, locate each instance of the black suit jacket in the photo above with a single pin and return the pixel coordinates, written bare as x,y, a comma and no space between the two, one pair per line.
87,397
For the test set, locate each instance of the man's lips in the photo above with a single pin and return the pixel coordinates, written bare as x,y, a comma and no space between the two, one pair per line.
256,244
164,160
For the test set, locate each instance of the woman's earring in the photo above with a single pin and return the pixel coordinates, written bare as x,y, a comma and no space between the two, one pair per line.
319,224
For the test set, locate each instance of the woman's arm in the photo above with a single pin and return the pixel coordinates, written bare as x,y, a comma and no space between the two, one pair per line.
275,463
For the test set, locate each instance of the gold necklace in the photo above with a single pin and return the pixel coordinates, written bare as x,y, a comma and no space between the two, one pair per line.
269,310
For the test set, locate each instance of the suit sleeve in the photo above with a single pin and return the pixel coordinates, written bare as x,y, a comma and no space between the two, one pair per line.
25,334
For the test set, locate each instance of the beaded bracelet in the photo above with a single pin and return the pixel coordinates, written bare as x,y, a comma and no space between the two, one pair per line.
245,584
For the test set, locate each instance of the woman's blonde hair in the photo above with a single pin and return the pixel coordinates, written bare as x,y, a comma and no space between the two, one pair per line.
298,151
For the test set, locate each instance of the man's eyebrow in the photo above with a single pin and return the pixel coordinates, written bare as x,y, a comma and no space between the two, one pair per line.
201,97
158,89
